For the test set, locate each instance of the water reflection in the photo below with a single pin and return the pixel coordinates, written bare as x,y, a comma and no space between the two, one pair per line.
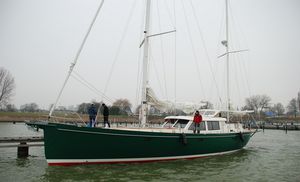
22,162
179,170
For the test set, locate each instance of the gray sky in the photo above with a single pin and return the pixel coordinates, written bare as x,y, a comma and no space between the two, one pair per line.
39,40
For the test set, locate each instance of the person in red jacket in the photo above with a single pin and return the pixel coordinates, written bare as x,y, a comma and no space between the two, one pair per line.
197,120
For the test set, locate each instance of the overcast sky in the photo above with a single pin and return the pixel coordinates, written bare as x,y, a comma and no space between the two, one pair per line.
39,39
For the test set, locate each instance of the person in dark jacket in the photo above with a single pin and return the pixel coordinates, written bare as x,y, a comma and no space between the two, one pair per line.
105,115
92,115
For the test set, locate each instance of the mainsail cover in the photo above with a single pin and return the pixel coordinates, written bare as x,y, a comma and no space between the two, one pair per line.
154,101
168,106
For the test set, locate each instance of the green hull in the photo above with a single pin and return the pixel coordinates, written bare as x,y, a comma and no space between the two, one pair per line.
68,144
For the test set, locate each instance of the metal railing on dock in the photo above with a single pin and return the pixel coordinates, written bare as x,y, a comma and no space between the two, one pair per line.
24,143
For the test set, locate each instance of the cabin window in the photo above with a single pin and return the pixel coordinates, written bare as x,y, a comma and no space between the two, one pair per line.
210,113
213,125
202,126
181,123
169,123
202,112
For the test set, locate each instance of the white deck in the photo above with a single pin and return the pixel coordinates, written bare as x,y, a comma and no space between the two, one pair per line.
184,124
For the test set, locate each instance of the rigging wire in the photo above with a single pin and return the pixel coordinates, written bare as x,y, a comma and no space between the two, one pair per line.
247,80
239,57
120,45
175,57
235,45
155,69
223,68
243,60
162,53
77,56
170,14
206,51
221,31
220,37
235,67
90,86
193,48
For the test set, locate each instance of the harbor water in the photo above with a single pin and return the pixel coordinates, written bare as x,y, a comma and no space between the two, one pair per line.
271,155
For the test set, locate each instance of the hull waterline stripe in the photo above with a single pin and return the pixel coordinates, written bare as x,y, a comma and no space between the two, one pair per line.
153,136
129,160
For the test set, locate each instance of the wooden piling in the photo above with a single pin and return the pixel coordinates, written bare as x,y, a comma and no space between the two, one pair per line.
23,150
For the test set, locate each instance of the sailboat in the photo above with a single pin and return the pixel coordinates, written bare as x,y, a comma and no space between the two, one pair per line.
67,144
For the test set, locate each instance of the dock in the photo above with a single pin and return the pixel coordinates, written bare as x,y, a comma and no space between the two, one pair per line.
22,143
280,126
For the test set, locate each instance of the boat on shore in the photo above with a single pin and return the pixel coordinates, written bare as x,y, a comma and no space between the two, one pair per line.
71,144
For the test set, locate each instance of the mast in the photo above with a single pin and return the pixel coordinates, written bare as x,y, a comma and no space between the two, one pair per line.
145,66
76,58
226,44
227,60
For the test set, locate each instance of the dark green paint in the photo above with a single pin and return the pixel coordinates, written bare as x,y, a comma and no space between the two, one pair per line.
73,142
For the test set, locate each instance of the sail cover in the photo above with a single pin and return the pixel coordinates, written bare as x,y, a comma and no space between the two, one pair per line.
154,101
167,106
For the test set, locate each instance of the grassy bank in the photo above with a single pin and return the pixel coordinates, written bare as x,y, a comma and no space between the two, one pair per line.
21,116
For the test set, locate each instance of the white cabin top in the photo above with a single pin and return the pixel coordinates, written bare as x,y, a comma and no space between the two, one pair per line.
211,123
207,114
210,112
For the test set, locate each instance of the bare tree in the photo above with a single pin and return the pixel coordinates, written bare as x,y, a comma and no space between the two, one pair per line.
264,102
298,100
278,109
292,107
82,108
124,105
7,86
252,103
257,103
31,107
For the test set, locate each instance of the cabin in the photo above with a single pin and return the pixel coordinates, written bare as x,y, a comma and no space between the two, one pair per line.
212,122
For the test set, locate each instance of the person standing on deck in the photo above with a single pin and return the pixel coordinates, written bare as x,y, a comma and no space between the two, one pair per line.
92,115
197,120
105,115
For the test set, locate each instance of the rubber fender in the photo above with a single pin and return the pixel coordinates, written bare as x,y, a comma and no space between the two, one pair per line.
241,136
183,139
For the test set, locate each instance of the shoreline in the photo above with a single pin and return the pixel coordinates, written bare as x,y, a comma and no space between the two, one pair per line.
19,117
